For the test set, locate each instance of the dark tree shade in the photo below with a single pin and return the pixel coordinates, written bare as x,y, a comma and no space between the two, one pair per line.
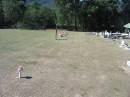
1,15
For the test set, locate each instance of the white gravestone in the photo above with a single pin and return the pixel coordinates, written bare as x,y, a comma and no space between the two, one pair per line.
20,70
123,44
128,63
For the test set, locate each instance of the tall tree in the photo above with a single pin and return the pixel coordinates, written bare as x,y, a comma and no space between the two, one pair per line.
126,10
37,16
12,11
1,15
68,10
90,14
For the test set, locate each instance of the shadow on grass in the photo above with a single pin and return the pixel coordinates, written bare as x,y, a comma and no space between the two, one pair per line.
27,77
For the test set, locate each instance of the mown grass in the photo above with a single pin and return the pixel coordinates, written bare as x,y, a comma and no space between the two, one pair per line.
83,64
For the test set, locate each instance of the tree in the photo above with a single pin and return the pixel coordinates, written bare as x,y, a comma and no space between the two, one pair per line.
38,17
1,15
12,12
68,10
100,15
22,5
126,11
90,14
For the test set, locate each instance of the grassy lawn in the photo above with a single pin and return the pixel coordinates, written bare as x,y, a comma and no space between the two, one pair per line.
82,66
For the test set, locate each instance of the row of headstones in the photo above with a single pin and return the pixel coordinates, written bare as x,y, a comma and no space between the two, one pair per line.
104,34
111,35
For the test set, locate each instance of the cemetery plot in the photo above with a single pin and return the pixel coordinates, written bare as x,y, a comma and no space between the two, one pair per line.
61,35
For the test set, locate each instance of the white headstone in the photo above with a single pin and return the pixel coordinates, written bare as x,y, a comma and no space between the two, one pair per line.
20,70
128,63
122,43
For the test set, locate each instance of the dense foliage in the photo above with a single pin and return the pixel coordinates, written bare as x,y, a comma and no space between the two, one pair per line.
85,15
22,14
94,15
38,17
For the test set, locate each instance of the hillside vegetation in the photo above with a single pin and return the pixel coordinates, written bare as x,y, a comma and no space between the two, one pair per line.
83,15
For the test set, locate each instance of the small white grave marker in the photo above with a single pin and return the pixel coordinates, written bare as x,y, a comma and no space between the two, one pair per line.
123,44
20,70
128,63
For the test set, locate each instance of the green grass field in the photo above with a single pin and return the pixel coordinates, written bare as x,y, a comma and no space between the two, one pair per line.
81,66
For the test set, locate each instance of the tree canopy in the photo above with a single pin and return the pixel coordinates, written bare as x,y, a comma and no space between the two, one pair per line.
91,14
84,15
